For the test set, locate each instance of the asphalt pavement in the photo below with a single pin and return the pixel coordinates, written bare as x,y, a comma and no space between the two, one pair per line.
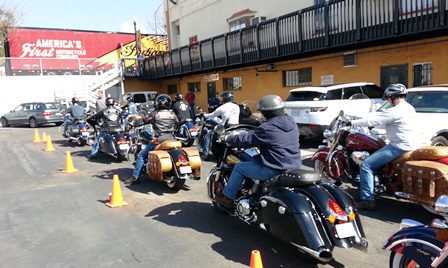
54,219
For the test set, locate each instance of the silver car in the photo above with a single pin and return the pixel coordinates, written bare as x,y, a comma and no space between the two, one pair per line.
34,114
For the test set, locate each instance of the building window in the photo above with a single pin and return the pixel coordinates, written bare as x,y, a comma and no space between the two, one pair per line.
172,89
232,83
300,77
194,87
239,24
423,74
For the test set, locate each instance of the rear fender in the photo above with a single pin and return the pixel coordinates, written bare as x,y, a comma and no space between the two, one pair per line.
108,145
290,216
418,243
321,195
175,157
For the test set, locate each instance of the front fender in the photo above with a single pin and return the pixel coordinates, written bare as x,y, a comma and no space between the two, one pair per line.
321,154
418,243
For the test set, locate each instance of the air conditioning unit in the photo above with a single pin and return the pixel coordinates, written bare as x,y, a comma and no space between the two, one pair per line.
257,20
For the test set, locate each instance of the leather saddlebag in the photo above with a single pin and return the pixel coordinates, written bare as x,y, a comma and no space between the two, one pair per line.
194,159
424,180
399,162
159,162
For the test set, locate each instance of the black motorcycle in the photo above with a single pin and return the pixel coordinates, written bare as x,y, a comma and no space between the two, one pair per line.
115,141
294,205
419,245
78,132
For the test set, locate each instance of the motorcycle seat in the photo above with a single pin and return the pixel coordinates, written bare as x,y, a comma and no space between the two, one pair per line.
169,144
291,178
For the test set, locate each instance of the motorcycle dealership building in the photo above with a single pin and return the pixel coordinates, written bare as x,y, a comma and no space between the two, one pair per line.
255,49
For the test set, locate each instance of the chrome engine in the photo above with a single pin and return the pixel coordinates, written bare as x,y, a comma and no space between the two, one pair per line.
243,207
359,156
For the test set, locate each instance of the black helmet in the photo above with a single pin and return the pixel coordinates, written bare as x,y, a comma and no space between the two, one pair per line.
227,97
163,101
270,103
395,90
178,96
110,102
75,100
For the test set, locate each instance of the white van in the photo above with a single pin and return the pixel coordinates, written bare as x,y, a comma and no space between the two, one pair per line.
145,100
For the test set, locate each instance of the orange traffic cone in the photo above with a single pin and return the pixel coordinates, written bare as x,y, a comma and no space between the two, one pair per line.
255,259
116,199
44,137
69,168
49,144
36,136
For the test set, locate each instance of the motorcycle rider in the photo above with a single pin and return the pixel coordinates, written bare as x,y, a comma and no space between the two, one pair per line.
228,112
401,130
111,117
163,121
277,140
73,113
131,109
181,108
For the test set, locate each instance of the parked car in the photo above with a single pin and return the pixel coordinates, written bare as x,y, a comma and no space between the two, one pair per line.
313,108
431,105
34,114
145,100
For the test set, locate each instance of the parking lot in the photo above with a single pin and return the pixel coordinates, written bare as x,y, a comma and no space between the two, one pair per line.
53,219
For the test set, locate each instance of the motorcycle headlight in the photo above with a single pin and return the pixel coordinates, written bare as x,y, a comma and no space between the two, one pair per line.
327,133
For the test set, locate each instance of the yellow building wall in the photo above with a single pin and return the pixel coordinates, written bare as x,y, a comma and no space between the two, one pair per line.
368,69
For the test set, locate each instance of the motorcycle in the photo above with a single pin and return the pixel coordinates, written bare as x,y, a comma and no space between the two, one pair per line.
419,245
416,176
115,141
246,117
79,132
293,206
186,133
168,162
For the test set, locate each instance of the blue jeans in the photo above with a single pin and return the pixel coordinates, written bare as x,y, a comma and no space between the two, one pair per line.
68,121
142,157
251,170
372,163
208,137
96,144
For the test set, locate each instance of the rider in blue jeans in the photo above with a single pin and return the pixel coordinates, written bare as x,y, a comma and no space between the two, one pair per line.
399,121
278,141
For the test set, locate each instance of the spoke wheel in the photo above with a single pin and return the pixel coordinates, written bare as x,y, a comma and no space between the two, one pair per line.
398,260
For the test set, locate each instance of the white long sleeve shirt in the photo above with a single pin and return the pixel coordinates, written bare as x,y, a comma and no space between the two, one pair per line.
400,124
229,112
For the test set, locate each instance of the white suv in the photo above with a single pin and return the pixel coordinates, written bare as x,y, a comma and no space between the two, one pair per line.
431,105
313,108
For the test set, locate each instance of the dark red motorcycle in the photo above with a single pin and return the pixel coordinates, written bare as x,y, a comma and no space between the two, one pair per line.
419,176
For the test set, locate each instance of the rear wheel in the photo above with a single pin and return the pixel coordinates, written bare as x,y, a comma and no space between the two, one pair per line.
187,143
33,122
398,260
82,142
4,122
131,154
176,183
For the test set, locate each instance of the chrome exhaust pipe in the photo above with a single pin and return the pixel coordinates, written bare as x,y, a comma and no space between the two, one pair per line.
404,195
322,254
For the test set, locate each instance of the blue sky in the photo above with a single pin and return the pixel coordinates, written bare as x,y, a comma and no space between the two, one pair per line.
95,15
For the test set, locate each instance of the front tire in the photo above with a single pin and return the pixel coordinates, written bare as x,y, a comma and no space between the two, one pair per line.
176,184
398,260
33,122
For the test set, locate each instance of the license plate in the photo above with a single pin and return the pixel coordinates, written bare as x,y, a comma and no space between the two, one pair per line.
295,112
184,170
85,133
124,146
194,133
345,230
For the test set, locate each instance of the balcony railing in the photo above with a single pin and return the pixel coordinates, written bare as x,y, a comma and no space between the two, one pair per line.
330,25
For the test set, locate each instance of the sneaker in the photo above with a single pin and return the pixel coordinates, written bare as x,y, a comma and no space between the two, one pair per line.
366,205
224,200
132,180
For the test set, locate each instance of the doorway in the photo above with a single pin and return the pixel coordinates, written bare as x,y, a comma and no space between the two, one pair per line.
211,90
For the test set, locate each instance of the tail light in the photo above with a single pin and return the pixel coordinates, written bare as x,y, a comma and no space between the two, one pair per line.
46,114
182,161
192,129
84,129
122,140
318,109
338,213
